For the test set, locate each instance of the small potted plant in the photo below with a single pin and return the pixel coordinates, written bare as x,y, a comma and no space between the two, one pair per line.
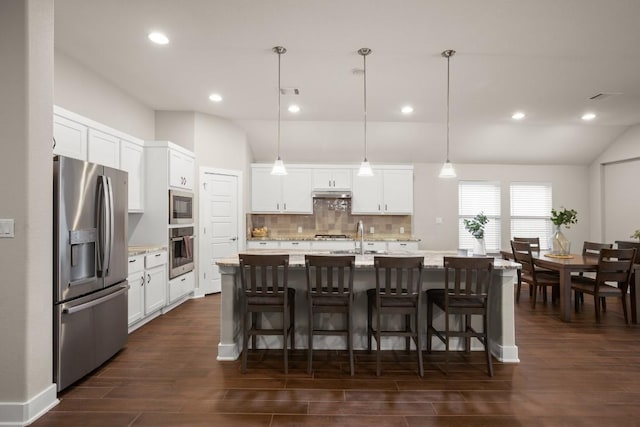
561,245
475,226
636,234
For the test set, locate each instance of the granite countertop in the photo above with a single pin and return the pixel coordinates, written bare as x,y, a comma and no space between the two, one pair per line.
432,259
338,239
141,250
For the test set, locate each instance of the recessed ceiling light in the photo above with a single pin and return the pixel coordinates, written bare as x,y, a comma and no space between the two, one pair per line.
407,109
518,115
588,116
158,38
293,108
215,97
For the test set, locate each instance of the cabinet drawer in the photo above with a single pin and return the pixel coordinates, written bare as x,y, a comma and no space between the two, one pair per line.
136,263
181,286
264,244
293,244
155,259
402,246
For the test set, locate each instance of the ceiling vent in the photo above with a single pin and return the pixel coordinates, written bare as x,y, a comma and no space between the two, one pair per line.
602,95
290,91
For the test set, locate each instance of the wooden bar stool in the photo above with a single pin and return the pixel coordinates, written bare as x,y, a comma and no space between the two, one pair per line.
330,290
265,284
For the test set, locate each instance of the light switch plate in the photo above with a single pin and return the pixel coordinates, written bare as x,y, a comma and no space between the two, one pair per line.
371,230
7,228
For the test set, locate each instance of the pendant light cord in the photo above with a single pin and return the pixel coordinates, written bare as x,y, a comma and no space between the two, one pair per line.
448,79
364,52
279,94
448,54
364,58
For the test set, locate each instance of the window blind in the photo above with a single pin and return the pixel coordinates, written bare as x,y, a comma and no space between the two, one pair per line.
475,197
530,211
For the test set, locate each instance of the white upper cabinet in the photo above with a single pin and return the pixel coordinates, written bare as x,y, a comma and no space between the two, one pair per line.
104,149
289,193
398,191
132,161
70,138
388,191
181,170
331,179
367,194
85,139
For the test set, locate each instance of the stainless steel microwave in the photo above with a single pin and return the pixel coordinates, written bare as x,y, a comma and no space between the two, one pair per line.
180,207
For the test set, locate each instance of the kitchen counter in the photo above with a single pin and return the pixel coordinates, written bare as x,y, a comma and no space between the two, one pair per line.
503,345
140,250
316,239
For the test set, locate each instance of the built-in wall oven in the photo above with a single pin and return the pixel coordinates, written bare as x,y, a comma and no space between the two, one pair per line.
180,250
180,207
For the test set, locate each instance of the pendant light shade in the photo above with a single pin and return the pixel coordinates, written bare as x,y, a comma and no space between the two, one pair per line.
447,170
278,165
365,166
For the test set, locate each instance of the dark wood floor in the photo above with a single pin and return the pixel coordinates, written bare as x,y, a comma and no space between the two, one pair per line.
578,374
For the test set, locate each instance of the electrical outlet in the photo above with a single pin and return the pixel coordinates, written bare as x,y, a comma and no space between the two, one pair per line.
371,230
7,228
438,220
299,229
401,230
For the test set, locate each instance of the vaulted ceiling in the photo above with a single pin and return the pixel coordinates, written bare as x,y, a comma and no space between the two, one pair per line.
547,58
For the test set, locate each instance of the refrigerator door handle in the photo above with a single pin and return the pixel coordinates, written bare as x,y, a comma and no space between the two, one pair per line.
111,227
105,225
86,305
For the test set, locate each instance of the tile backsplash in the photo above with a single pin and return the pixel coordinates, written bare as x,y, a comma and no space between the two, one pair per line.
330,216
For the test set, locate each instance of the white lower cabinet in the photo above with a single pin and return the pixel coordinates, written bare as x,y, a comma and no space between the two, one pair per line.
147,285
136,288
295,244
181,286
263,244
402,246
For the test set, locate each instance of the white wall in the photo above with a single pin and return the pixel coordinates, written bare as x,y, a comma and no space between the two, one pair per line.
26,85
178,127
626,147
436,197
82,91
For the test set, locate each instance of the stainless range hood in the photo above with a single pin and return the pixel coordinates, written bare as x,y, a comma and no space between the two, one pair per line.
331,194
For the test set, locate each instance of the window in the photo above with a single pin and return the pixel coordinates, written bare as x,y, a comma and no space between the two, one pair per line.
530,211
475,197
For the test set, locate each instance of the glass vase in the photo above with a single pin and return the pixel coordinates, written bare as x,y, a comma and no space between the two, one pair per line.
559,243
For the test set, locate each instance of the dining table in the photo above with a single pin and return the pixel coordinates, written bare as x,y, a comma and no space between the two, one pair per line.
565,265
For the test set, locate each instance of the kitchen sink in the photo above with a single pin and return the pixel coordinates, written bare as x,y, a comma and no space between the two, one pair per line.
357,252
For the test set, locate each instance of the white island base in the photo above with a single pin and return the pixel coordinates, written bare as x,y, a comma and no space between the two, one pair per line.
501,308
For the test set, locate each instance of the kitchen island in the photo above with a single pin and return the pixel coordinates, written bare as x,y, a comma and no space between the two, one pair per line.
503,345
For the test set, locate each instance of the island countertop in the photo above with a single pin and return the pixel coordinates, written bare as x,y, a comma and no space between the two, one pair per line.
432,259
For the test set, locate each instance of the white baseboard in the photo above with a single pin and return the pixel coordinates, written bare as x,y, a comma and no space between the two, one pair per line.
19,414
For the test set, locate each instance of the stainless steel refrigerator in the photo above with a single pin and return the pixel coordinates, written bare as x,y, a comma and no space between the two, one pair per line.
90,267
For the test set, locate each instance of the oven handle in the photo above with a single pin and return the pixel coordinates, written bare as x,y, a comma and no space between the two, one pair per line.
95,302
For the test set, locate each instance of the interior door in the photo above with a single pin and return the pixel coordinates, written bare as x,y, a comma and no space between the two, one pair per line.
219,226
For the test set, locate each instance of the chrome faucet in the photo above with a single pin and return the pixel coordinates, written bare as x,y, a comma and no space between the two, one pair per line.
360,230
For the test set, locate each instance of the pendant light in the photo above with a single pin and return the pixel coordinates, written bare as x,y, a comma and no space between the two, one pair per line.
365,167
447,170
278,165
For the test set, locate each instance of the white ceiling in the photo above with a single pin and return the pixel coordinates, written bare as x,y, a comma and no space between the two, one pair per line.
544,57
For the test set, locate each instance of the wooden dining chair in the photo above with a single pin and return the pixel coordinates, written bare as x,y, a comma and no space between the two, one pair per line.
536,278
467,287
398,291
612,278
265,290
534,243
591,249
632,280
330,290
